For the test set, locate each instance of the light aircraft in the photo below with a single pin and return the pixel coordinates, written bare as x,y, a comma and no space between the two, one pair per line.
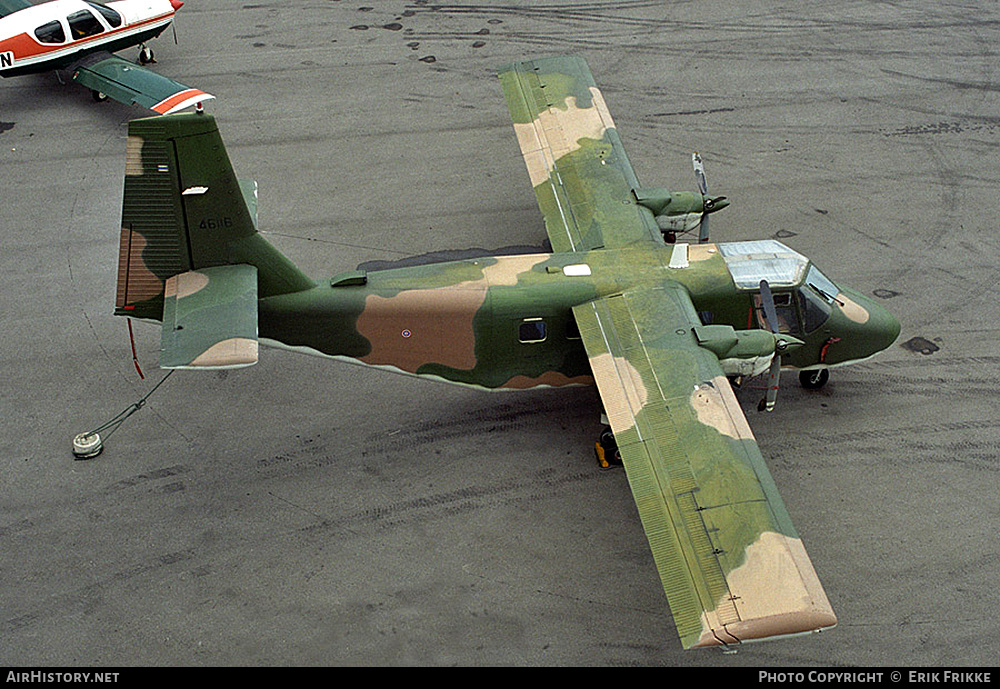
80,37
661,328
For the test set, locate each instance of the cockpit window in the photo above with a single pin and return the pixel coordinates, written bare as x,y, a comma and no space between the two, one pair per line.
822,284
50,32
113,18
816,294
83,24
815,309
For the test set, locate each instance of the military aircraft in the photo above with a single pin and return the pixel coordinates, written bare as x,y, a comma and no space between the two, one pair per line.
660,327
79,37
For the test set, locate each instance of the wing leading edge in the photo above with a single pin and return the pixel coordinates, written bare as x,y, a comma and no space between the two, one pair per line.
583,180
729,559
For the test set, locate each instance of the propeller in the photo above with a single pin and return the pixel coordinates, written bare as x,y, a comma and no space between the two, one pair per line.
709,203
780,345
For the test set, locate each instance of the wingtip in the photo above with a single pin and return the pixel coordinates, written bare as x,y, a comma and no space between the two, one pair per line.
768,628
181,100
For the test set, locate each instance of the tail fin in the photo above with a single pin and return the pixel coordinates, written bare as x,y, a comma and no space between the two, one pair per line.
184,210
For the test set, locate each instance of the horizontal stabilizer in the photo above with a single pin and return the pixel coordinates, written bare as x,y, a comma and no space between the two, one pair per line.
210,318
132,84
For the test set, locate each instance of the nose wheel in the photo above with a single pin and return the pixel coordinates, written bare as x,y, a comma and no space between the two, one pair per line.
814,380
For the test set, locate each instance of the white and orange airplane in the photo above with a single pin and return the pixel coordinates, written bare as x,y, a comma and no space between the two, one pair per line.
80,36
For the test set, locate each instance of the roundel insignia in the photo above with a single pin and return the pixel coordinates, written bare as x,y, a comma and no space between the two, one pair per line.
406,333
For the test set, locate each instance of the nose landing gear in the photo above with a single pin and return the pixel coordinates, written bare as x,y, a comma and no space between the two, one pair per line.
814,379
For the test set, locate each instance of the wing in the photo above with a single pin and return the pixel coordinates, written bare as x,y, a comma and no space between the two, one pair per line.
12,6
582,178
132,84
730,561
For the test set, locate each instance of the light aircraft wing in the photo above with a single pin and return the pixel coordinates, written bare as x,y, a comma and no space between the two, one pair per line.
730,561
210,318
12,6
582,178
133,84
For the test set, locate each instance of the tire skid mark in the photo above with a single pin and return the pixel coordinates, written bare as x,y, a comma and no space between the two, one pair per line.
539,485
82,599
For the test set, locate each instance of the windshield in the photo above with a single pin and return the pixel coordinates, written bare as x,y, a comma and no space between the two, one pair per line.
822,284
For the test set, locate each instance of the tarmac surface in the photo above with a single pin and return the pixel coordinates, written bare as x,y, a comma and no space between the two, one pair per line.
305,512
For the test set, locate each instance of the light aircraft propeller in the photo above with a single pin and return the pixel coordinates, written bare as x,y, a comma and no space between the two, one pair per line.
782,342
708,202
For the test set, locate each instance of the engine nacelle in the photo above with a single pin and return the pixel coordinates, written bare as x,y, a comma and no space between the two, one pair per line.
678,211
743,353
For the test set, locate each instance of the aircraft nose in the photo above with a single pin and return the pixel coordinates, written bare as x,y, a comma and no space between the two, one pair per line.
878,328
176,4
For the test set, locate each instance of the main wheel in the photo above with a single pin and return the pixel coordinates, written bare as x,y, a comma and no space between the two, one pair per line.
814,379
609,453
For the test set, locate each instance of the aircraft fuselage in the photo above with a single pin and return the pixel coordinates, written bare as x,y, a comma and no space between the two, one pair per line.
506,322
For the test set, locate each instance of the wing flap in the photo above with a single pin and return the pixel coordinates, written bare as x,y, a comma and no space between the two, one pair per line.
132,84
210,318
730,562
583,180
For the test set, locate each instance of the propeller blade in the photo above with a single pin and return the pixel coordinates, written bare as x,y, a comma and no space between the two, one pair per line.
699,173
703,229
767,301
774,373
773,379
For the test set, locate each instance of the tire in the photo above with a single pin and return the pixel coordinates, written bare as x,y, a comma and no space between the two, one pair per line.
815,379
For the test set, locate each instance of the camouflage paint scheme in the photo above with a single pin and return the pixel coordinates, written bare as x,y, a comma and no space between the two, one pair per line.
658,327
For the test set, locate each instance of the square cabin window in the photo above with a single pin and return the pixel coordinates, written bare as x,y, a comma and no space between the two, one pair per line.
531,330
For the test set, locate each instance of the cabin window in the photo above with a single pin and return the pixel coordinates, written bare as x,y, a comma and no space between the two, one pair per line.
784,308
83,24
531,330
113,18
50,32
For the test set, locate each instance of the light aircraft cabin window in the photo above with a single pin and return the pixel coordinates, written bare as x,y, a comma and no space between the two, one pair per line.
50,32
113,18
531,330
83,24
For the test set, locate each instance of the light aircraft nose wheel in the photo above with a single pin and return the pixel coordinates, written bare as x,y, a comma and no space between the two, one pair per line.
814,380
99,96
145,56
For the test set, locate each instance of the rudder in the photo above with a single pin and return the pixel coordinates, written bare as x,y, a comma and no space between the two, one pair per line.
183,209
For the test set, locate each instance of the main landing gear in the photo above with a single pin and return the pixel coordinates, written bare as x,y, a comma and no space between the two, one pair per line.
606,450
146,55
